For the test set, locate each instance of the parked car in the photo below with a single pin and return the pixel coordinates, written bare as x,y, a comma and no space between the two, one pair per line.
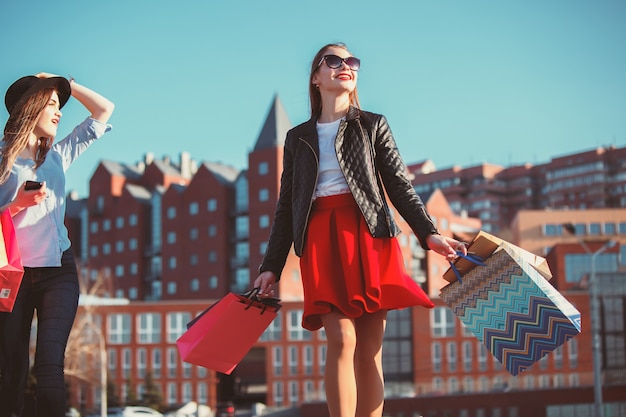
72,412
133,411
226,409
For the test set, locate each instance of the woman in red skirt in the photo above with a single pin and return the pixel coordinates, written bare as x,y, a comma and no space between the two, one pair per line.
332,208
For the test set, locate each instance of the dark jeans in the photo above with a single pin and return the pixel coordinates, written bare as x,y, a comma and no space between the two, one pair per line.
53,292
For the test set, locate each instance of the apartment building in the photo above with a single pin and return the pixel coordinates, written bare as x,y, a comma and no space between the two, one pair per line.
591,179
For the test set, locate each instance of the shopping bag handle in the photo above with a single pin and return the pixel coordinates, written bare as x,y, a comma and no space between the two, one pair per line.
478,260
253,296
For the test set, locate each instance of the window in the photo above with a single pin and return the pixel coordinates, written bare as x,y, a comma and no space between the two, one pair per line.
176,325
263,168
482,356
467,356
279,394
321,359
436,356
273,331
132,244
557,357
292,360
156,363
171,393
171,237
106,225
193,234
264,221
212,232
294,329
132,220
242,227
213,282
119,222
550,230
277,360
264,194
442,322
119,246
572,353
194,285
578,265
171,212
94,227
141,362
242,277
172,361
118,328
242,251
293,393
451,356
187,392
307,356
172,262
468,384
126,362
211,205
148,328
193,208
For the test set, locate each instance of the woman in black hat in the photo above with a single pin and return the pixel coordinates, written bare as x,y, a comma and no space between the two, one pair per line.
332,209
32,188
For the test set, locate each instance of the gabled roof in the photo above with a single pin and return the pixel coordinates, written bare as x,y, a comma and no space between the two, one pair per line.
122,170
275,128
226,174
138,192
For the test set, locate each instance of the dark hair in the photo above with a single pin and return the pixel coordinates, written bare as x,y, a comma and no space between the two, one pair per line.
315,98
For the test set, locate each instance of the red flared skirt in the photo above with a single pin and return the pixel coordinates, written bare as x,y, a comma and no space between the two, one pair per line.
344,268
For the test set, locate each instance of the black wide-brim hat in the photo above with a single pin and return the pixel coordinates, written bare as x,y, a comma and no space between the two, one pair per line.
19,92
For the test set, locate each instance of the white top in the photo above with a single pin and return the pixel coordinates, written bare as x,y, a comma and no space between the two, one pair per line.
330,180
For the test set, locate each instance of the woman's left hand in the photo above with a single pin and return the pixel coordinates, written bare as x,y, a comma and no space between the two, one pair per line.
446,246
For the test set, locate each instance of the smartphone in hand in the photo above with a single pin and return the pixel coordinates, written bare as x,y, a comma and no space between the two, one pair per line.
32,185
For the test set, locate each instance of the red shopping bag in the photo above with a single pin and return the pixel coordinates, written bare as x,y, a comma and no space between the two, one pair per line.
11,269
223,334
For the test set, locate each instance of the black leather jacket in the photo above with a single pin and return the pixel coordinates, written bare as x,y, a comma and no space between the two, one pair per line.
367,153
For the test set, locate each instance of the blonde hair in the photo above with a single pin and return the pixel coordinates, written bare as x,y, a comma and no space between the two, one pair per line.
17,130
315,98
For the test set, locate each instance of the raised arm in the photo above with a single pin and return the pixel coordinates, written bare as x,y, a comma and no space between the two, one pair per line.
99,107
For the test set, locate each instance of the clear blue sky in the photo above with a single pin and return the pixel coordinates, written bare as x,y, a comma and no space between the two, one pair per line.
461,82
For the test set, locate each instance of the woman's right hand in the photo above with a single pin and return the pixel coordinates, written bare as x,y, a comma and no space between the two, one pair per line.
26,198
264,283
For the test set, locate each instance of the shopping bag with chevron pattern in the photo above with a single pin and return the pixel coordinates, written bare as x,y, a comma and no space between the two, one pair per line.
512,309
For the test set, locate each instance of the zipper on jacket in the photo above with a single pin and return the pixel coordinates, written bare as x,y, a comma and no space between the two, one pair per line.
378,181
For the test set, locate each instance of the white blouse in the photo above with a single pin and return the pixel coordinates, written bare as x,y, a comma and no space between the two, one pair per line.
330,179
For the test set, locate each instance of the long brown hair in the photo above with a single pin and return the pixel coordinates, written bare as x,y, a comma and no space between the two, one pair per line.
21,123
315,97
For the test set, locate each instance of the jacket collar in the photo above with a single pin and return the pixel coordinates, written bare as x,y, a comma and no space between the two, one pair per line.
310,129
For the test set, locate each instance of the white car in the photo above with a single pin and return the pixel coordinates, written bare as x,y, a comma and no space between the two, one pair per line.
133,411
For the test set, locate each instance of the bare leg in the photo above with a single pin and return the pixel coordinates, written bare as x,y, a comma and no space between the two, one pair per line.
339,378
370,330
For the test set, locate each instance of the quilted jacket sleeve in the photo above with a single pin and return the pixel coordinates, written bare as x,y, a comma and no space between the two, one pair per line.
393,174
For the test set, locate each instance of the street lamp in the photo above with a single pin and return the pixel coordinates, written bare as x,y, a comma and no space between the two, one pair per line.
596,350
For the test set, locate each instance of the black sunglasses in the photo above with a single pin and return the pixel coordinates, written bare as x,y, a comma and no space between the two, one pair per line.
334,62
